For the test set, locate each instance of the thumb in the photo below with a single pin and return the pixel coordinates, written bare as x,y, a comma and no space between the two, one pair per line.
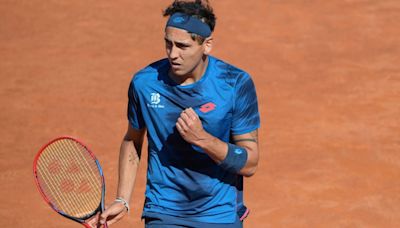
103,216
93,221
112,214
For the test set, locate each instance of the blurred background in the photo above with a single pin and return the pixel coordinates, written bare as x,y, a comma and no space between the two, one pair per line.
328,80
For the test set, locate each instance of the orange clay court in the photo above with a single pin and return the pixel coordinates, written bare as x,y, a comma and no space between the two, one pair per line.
328,80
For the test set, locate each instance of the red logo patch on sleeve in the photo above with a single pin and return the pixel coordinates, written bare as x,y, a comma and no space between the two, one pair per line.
207,107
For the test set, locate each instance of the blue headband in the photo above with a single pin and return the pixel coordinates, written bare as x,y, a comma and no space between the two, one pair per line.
190,24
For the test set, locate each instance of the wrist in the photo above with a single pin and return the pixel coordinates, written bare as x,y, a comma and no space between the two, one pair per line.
236,158
124,202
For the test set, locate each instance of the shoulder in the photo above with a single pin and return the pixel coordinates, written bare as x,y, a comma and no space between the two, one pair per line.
150,72
232,75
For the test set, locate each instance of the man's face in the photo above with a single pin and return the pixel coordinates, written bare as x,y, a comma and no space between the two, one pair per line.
184,54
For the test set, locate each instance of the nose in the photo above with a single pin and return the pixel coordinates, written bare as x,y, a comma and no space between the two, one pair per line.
173,52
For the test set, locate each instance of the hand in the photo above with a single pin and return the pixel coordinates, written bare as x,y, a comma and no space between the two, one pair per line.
111,215
93,221
190,127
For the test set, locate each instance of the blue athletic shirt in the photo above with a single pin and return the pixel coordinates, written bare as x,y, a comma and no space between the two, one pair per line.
182,180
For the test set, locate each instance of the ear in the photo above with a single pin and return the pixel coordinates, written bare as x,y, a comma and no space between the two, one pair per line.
208,44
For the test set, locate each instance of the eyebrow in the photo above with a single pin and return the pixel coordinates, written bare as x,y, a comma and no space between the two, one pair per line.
177,42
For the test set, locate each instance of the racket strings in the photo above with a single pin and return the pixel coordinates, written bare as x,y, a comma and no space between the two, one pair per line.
51,182
61,182
57,182
88,169
70,178
68,185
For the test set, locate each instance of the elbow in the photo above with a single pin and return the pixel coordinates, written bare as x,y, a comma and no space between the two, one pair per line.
251,167
248,171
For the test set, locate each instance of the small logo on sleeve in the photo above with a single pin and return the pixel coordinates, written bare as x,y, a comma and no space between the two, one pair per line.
208,107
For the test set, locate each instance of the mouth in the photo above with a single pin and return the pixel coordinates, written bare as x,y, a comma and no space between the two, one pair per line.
175,65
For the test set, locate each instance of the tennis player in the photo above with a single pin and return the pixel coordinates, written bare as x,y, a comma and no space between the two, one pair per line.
201,118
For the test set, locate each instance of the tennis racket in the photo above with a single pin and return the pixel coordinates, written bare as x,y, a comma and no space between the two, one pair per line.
70,179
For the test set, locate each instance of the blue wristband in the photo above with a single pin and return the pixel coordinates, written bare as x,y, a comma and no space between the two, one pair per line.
235,159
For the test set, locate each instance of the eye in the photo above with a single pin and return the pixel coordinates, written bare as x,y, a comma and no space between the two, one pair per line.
182,46
168,43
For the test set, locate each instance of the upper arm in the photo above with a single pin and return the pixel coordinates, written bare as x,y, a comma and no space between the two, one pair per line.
134,111
245,122
249,141
245,115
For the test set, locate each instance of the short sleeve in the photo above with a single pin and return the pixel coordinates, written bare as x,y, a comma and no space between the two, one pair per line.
245,116
135,116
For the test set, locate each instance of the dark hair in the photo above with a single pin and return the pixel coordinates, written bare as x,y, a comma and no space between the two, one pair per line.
200,9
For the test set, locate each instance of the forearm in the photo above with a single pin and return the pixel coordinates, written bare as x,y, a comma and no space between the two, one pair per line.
218,150
128,166
214,147
245,163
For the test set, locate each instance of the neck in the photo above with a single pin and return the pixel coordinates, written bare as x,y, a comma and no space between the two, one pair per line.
195,75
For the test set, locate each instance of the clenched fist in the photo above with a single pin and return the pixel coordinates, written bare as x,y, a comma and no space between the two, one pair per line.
190,127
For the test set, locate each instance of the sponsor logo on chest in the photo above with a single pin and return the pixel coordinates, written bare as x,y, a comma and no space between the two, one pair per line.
208,107
155,101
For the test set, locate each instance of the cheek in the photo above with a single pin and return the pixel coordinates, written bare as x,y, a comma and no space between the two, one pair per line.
193,56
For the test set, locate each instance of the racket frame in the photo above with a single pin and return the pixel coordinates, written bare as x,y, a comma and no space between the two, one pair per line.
100,208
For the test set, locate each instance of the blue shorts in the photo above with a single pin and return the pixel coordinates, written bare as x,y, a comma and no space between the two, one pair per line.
165,221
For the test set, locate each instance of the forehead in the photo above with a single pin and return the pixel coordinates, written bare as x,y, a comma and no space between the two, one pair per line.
178,35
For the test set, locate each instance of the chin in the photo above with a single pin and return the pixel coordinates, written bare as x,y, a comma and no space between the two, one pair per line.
179,73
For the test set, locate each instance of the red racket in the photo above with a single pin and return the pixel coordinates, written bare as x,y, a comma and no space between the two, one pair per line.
70,179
